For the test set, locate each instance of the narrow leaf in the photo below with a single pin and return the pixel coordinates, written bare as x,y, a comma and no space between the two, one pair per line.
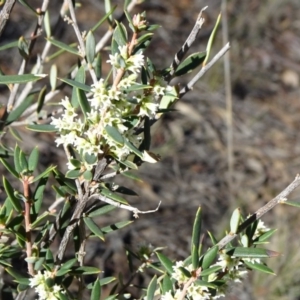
109,194
190,63
33,159
63,46
166,262
94,228
115,226
76,84
151,288
9,79
90,47
96,291
17,112
114,134
11,196
235,220
9,167
251,252
101,211
259,267
196,239
42,128
209,257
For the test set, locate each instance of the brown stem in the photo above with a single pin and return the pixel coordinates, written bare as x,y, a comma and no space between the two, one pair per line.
26,192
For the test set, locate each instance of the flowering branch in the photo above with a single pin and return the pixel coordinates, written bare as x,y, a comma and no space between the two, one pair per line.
279,199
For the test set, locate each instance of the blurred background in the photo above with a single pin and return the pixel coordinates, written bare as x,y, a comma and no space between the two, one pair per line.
192,141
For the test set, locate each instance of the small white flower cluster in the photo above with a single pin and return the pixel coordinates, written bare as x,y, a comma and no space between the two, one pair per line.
42,289
114,106
194,291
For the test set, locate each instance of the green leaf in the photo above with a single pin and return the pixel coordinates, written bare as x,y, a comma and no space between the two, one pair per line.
235,220
129,164
25,4
47,24
101,211
96,291
42,128
94,228
66,267
109,194
151,288
41,99
133,148
264,237
83,102
259,267
15,134
42,218
114,134
23,161
211,270
17,112
107,280
74,174
107,15
53,77
11,196
9,79
212,238
115,226
33,159
211,40
166,262
23,48
87,270
120,34
63,46
167,284
196,239
251,252
126,191
44,174
90,47
79,78
190,63
169,98
292,203
76,84
209,257
98,65
15,274
38,195
91,159
185,272
9,45
9,167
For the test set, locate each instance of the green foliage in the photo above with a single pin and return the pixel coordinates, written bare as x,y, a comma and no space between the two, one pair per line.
105,129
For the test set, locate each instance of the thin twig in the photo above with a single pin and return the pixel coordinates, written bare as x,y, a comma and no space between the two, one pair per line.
26,192
190,85
280,198
228,96
5,12
12,98
186,46
135,211
100,45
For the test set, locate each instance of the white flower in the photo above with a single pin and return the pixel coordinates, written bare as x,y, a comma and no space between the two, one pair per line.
159,90
167,296
114,60
42,289
135,62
